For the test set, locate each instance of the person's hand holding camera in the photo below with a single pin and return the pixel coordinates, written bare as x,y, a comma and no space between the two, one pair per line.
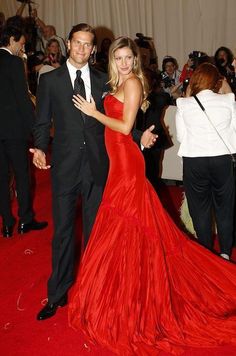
175,91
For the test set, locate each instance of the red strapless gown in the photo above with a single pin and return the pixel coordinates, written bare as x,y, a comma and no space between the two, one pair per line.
143,285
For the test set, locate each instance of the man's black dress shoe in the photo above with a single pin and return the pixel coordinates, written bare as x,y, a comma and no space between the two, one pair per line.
50,309
32,225
7,231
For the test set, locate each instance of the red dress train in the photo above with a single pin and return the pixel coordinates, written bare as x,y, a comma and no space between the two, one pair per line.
143,285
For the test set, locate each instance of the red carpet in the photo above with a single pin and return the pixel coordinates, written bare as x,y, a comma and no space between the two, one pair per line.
24,269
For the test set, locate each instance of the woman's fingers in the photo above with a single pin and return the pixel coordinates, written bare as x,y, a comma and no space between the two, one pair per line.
78,103
78,98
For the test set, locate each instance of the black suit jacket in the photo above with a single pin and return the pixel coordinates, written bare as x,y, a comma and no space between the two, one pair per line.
16,109
54,101
154,116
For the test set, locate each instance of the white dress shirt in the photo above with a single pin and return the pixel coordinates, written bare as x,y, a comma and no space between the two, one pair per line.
85,75
195,133
6,49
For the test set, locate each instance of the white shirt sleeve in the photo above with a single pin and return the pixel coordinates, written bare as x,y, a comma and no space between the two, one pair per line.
233,122
180,127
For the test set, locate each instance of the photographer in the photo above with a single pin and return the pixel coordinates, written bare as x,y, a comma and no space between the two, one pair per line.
195,58
170,78
46,33
147,51
224,61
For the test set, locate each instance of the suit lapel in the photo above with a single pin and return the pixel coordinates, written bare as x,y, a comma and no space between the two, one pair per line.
64,72
94,84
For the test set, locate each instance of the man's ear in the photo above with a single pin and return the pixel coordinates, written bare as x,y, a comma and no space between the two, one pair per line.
68,45
12,41
92,58
94,50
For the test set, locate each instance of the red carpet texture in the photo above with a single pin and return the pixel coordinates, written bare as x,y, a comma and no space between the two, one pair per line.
25,263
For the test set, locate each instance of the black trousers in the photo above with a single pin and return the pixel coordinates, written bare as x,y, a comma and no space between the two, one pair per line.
64,217
153,160
14,153
209,186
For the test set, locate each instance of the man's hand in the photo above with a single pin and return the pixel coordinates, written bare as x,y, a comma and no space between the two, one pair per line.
39,158
148,138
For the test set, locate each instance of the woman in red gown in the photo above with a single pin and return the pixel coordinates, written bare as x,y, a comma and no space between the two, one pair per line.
143,285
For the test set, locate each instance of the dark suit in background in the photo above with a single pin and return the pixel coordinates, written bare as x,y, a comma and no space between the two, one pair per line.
16,120
154,116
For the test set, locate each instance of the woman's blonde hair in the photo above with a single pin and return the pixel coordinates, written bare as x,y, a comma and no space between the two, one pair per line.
122,42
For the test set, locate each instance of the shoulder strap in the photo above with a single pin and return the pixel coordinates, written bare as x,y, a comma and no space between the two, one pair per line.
204,110
199,102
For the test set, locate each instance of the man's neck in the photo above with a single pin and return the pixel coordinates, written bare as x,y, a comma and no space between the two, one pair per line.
7,48
76,65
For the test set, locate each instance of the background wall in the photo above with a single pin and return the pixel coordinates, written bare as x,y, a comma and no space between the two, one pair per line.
177,26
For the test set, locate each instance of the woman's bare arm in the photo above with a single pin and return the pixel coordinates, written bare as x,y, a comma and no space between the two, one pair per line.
132,101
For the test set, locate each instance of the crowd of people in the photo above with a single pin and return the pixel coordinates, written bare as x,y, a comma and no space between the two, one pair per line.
143,285
169,77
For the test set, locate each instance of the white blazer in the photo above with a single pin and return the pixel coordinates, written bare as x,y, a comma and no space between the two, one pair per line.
196,135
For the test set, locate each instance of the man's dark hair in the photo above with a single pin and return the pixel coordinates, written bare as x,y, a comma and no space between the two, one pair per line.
83,27
8,32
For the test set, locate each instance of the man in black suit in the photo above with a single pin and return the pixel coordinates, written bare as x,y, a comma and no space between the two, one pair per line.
16,120
79,159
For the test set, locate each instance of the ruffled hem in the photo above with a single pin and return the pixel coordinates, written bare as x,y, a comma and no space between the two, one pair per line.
143,289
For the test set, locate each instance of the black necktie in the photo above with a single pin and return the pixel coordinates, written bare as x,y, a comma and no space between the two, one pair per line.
79,88
79,85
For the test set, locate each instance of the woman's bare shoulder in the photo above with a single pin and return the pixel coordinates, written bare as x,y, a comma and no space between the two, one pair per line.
132,83
132,80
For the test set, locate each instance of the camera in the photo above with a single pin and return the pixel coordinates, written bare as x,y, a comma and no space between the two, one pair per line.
185,85
168,82
195,54
197,57
142,41
221,62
